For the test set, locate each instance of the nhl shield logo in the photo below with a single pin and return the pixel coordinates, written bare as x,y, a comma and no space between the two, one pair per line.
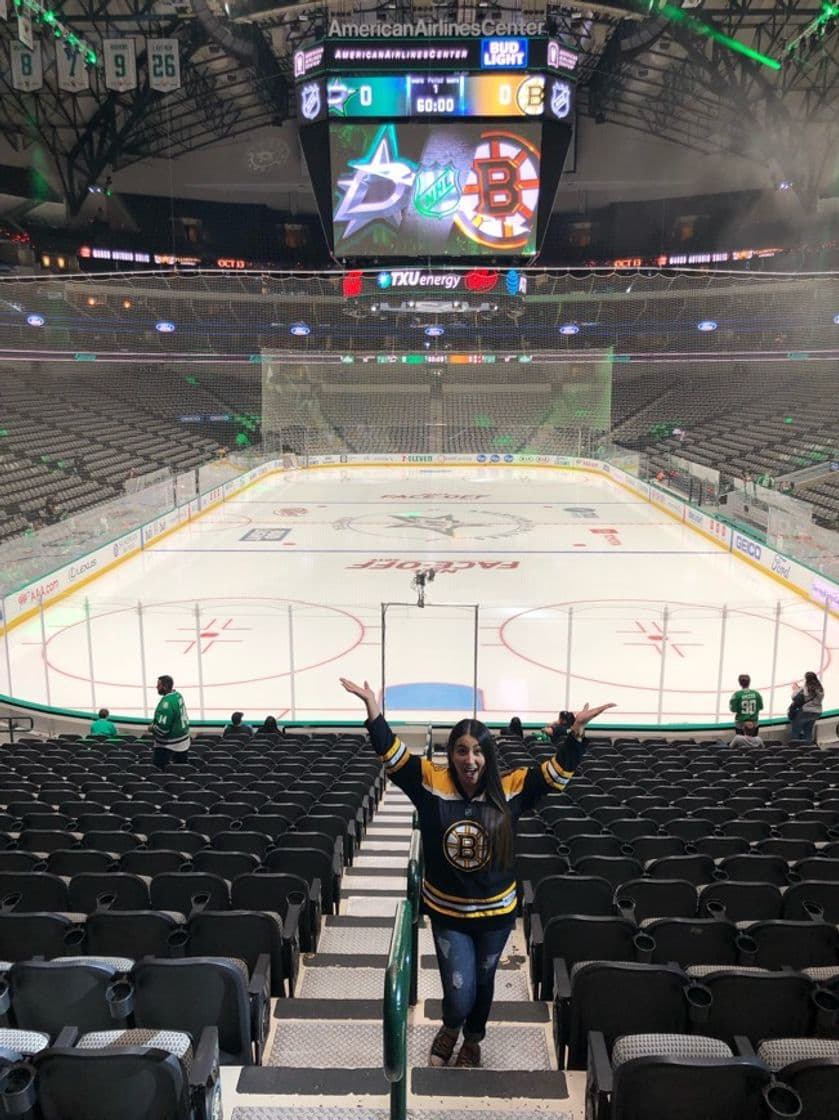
310,101
560,100
437,191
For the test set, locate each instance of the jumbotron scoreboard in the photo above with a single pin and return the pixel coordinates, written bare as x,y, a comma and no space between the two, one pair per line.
435,148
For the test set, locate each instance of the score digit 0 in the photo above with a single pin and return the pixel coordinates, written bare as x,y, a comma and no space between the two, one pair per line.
365,95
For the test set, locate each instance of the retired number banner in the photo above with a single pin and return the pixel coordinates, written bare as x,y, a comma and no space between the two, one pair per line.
120,64
27,68
164,65
72,73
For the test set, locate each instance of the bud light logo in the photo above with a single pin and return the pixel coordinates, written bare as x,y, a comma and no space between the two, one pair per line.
481,458
747,547
508,458
35,320
299,330
435,332
706,325
569,329
495,458
165,327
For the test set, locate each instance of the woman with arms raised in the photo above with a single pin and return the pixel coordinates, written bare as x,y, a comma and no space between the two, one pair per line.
468,811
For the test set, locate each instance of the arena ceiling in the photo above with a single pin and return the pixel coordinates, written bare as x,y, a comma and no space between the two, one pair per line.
675,72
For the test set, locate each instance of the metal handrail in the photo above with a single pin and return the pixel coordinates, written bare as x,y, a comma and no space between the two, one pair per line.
396,996
416,871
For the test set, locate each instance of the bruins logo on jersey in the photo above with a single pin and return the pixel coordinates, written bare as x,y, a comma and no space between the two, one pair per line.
466,844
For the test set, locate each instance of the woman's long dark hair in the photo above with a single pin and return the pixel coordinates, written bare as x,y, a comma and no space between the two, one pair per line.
501,827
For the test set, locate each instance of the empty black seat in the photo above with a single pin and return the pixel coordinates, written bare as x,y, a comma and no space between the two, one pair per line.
130,933
23,936
659,1076
152,1074
185,891
740,902
49,995
616,998
197,992
115,890
640,899
756,1003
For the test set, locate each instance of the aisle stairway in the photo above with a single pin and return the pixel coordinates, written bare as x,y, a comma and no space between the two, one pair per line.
324,1054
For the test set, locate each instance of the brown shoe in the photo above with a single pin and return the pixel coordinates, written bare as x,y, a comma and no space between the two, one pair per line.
469,1055
442,1047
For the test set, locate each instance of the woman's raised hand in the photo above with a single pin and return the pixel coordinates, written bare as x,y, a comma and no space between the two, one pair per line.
586,714
363,692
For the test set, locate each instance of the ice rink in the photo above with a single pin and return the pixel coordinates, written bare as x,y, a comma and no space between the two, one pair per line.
263,603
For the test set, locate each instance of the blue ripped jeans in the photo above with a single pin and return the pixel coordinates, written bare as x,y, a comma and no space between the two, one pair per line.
467,963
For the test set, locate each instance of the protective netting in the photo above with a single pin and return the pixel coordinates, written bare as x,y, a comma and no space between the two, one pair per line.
725,381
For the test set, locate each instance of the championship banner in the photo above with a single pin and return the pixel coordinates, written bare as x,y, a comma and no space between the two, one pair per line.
72,73
120,64
164,65
24,28
27,67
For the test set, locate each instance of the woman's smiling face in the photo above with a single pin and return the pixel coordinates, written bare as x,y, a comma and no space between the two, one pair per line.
468,762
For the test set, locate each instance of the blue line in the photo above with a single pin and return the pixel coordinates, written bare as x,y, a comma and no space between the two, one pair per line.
467,551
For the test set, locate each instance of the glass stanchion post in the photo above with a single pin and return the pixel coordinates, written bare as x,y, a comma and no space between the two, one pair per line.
665,618
141,628
291,660
89,635
199,659
723,623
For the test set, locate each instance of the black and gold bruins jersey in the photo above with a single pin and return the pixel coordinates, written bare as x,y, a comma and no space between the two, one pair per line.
461,885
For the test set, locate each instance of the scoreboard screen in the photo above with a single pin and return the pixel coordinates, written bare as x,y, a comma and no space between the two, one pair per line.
406,96
449,95
455,189
435,147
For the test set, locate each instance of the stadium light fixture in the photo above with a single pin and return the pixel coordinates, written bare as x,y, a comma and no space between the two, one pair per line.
817,26
708,31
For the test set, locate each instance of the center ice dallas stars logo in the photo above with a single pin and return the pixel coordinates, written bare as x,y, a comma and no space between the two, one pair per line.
379,186
424,525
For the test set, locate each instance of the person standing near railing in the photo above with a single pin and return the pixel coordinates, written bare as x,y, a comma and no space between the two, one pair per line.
468,811
805,708
746,703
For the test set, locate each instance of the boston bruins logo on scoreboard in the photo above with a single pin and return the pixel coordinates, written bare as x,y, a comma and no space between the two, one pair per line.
499,200
466,845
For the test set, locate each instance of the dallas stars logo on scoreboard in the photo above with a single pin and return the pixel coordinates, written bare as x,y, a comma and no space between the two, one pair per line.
481,180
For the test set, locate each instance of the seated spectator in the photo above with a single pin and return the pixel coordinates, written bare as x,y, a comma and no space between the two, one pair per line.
104,726
514,729
235,729
748,737
269,727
